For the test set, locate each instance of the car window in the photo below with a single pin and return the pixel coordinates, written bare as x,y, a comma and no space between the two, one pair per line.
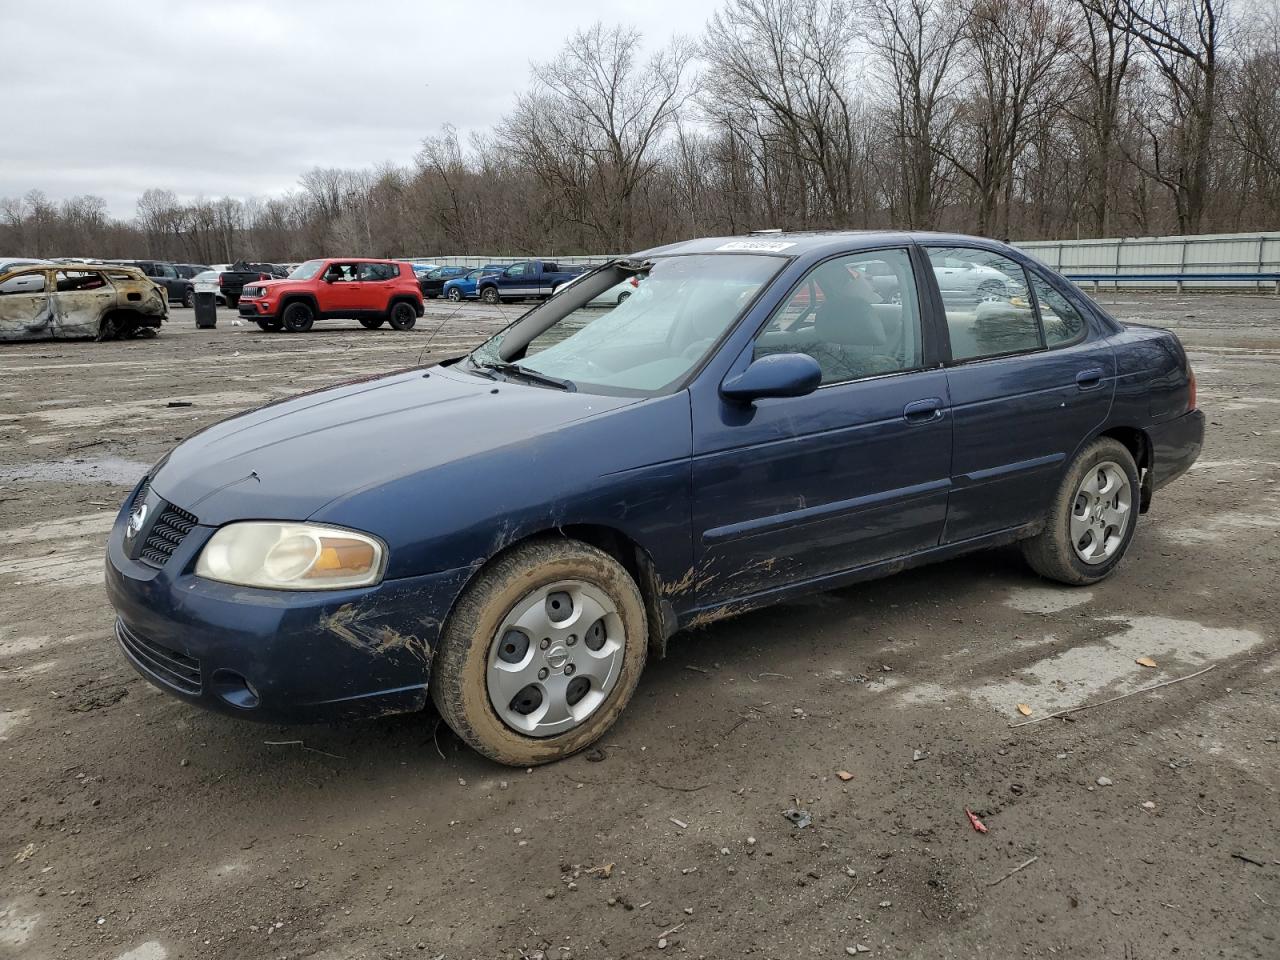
1062,322
340,272
70,281
987,304
24,283
857,315
517,270
377,271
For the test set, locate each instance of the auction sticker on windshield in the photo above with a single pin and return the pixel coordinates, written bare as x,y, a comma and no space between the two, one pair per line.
759,246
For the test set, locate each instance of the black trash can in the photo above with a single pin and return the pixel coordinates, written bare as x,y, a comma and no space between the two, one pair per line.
206,311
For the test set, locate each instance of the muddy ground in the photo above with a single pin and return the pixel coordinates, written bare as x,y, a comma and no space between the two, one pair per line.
133,826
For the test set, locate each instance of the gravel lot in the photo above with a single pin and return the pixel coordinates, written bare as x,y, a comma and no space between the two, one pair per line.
133,826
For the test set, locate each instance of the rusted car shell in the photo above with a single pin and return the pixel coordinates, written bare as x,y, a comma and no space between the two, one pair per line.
78,300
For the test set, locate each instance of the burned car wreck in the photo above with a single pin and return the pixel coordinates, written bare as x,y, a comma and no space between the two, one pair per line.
79,301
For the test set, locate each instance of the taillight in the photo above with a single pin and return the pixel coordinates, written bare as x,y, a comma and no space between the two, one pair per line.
222,278
1191,389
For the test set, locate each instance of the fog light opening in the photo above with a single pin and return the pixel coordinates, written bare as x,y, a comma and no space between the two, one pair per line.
234,689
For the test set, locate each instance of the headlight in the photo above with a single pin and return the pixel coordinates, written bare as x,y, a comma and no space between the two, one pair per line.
292,556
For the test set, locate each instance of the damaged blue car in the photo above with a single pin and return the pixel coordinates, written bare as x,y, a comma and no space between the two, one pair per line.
511,533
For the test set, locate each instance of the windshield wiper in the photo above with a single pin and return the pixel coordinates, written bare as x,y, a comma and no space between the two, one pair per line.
514,369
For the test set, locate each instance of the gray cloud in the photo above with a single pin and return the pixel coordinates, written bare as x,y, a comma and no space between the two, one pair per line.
224,98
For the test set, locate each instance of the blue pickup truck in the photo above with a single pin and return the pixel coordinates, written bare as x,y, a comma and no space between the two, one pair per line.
526,279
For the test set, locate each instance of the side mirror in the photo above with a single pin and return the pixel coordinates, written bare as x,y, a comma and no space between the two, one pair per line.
778,375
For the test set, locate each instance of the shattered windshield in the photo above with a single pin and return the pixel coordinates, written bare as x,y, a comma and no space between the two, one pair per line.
641,334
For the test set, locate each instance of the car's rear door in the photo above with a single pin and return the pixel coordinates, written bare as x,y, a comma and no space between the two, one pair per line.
374,286
25,309
1030,377
795,489
81,298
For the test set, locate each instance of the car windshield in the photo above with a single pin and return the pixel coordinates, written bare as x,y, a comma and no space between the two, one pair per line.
305,271
639,335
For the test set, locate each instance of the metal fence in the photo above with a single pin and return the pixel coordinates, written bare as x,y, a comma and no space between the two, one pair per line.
1225,260
1210,261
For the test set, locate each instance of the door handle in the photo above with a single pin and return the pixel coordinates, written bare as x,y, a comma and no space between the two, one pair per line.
923,411
1090,378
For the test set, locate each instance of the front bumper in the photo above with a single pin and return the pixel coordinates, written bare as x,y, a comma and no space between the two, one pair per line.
273,655
255,310
1175,445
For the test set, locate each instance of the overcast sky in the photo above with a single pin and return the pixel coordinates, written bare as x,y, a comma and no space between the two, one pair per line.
213,98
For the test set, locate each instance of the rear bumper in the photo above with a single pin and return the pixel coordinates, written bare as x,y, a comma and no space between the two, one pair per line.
1175,445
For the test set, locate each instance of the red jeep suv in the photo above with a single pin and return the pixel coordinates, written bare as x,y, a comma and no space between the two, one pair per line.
371,291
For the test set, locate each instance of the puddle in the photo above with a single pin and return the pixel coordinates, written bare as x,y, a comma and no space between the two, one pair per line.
151,950
15,927
1046,599
10,719
1093,671
113,470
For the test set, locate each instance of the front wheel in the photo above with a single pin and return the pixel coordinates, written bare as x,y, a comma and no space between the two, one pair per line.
1092,518
454,294
542,652
189,298
490,296
402,316
299,317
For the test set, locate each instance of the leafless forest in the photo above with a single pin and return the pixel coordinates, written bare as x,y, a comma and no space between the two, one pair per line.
1023,119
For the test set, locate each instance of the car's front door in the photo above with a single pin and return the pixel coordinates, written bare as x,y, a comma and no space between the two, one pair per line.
1030,378
340,294
796,489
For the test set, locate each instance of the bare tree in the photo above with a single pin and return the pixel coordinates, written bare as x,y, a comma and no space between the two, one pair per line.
593,124
1181,39
917,43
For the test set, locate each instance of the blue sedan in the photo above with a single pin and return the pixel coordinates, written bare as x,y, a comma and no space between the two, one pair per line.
464,287
512,533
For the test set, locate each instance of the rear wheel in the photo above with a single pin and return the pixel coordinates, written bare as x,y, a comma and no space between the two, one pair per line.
372,323
232,300
298,317
402,316
1092,519
490,295
542,652
454,294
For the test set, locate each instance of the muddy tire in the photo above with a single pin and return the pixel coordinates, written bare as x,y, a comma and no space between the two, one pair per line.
1092,518
509,689
298,317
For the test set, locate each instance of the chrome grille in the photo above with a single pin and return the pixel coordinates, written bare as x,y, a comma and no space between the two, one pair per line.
170,667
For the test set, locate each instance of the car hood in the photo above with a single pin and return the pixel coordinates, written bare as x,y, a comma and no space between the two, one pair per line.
289,459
